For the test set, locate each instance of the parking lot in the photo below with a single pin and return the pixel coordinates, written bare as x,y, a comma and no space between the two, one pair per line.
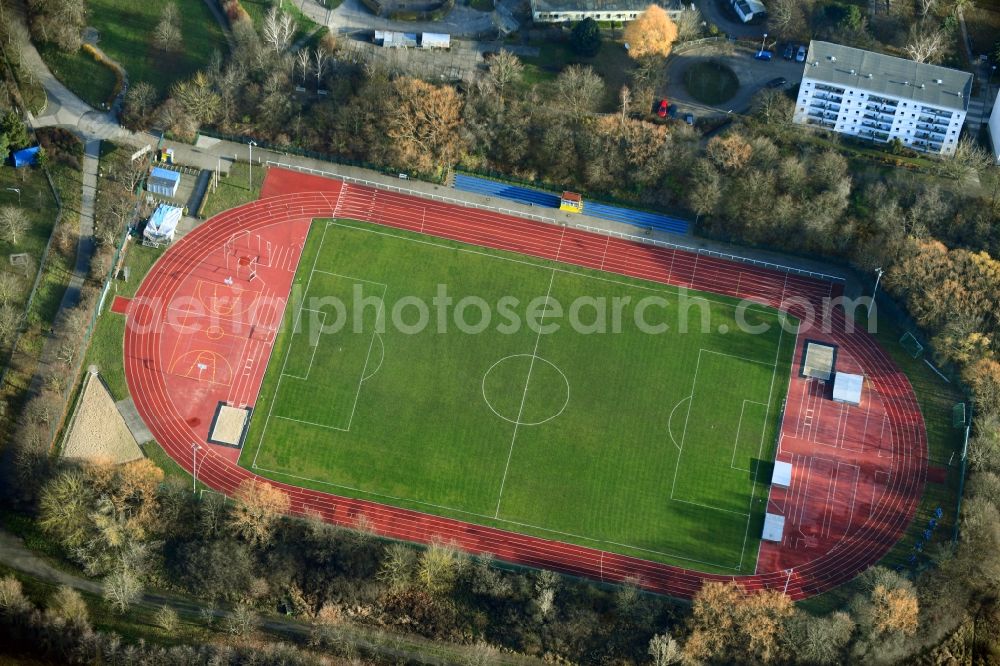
753,75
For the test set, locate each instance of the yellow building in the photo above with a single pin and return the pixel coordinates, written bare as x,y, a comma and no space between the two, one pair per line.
571,202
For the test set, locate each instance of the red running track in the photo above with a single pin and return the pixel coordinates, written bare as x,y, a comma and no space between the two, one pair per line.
858,474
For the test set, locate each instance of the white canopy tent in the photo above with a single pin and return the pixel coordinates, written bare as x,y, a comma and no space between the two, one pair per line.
774,527
782,474
162,224
847,388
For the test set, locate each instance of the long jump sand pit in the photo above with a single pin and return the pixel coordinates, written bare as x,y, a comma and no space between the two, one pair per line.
97,432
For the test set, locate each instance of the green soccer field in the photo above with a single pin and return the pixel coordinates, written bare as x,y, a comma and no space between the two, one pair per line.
656,444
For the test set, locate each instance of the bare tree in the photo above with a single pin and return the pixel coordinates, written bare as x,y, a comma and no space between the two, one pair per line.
278,30
925,44
624,100
688,23
321,58
10,322
505,68
69,604
121,589
579,90
166,618
11,288
13,224
664,650
303,63
926,7
167,35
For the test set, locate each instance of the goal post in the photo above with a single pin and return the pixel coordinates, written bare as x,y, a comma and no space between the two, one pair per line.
910,344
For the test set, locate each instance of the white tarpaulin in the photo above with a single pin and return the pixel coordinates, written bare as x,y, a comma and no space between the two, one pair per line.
162,224
435,40
847,388
774,527
782,475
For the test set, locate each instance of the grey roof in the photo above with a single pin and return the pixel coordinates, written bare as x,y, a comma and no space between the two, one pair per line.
600,5
895,77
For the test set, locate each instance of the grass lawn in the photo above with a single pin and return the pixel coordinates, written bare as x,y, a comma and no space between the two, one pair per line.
126,29
106,351
611,63
648,445
711,82
90,80
39,206
234,189
258,9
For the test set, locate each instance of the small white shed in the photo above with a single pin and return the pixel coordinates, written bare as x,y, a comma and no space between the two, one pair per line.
774,527
435,40
847,388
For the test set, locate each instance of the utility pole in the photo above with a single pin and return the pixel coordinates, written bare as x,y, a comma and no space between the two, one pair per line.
878,277
251,143
194,467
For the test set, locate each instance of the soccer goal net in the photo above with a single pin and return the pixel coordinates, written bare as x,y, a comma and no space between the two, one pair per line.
910,344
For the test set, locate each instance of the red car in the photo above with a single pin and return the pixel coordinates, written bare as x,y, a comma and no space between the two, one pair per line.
661,110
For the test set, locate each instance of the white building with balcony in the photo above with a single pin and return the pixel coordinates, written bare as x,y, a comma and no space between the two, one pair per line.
881,98
565,11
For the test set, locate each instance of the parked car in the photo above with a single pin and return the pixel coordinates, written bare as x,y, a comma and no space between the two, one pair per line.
661,108
777,83
800,55
789,52
689,118
763,55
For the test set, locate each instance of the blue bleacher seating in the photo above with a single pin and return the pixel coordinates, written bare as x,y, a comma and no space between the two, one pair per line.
527,195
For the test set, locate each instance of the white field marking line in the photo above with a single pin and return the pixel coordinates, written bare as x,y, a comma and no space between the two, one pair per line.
885,419
713,508
744,358
394,498
604,255
670,420
374,372
533,423
351,277
311,423
694,382
789,492
739,277
760,447
875,502
828,505
312,357
524,395
739,427
672,290
854,495
364,369
243,357
371,345
298,315
801,505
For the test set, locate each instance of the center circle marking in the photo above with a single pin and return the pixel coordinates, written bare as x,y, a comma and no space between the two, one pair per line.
550,374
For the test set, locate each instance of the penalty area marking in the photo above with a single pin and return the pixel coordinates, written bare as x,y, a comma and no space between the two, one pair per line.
314,345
